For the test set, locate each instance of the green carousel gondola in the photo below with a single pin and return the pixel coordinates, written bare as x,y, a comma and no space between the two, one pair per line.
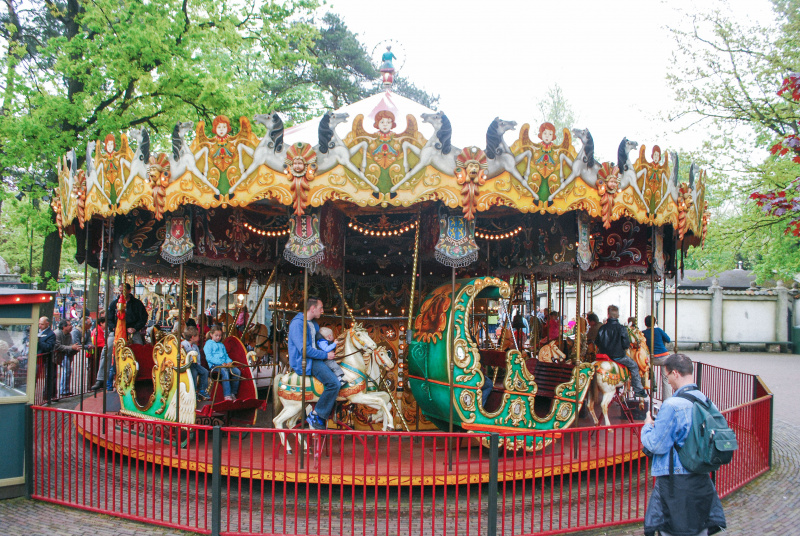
433,358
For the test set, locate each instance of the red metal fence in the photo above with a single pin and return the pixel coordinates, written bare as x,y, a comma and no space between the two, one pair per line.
64,380
242,480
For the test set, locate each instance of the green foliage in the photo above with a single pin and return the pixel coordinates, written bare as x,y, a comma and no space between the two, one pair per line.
726,76
556,109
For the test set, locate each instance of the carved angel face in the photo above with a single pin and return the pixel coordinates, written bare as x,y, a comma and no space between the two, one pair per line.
385,125
222,129
298,166
548,136
656,157
110,146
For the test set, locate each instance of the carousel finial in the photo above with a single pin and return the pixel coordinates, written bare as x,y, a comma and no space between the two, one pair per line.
387,68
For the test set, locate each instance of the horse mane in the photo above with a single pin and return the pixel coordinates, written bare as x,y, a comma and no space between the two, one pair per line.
622,155
691,175
90,157
492,139
325,133
339,352
588,150
276,133
144,146
176,142
444,135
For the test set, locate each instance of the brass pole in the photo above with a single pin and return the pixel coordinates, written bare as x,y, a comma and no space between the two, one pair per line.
344,288
305,346
181,290
652,309
109,349
202,308
227,300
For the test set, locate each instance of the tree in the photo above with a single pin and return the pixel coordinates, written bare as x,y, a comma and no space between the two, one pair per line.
556,109
727,77
75,71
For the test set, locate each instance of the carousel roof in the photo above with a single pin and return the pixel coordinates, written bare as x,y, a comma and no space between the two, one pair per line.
385,155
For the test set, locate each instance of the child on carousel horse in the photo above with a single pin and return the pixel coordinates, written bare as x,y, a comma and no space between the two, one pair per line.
328,344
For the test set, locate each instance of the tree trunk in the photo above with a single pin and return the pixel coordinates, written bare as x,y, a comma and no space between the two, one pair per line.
51,263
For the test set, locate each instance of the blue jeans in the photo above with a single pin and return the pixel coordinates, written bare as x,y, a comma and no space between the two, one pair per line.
66,375
226,373
320,370
199,370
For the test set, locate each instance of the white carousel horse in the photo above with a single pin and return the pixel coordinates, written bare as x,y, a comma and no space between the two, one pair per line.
270,151
182,159
584,165
610,375
332,151
672,183
380,358
437,151
627,175
357,347
141,159
500,157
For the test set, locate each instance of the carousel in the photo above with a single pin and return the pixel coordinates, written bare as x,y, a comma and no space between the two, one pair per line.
420,251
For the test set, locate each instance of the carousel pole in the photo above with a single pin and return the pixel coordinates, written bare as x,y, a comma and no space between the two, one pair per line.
181,289
217,303
275,359
578,319
636,304
305,346
344,288
451,365
630,299
549,296
561,288
675,298
201,311
83,314
227,300
106,245
652,311
591,297
664,297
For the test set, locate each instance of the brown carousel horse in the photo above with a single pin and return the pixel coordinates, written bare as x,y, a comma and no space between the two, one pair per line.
610,375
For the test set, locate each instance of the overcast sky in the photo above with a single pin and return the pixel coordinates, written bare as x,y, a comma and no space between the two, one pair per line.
498,57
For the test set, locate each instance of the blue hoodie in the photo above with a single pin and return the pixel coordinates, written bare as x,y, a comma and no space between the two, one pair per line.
296,345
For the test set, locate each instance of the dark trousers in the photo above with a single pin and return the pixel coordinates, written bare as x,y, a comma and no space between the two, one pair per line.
51,377
633,368
320,371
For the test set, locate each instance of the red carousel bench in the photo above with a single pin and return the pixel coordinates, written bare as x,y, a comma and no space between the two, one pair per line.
548,376
246,399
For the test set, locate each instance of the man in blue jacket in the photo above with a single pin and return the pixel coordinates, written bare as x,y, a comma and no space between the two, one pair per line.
682,503
315,361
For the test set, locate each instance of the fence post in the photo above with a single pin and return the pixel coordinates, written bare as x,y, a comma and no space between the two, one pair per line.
771,416
28,451
216,482
699,375
491,518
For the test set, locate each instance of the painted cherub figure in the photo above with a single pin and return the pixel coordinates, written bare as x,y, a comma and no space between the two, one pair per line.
656,175
300,167
546,161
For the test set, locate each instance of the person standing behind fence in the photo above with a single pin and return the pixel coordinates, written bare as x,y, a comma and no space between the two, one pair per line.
65,350
683,503
47,342
99,342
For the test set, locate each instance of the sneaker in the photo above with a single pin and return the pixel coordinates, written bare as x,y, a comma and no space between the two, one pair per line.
640,394
342,383
203,396
315,422
230,398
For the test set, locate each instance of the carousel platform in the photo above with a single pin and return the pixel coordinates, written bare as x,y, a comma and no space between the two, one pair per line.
344,457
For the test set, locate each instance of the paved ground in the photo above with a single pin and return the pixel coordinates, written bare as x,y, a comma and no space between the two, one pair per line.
770,505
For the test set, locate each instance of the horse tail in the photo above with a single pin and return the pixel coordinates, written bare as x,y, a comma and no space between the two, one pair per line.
176,142
588,150
444,134
276,399
325,133
492,139
622,155
276,132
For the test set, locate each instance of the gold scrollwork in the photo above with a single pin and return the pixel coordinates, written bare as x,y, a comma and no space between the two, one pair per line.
517,412
337,180
564,411
432,180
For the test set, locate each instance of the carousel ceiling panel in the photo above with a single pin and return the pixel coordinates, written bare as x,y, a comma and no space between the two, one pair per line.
384,152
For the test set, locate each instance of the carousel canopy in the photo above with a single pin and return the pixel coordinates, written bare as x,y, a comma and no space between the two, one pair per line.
222,190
